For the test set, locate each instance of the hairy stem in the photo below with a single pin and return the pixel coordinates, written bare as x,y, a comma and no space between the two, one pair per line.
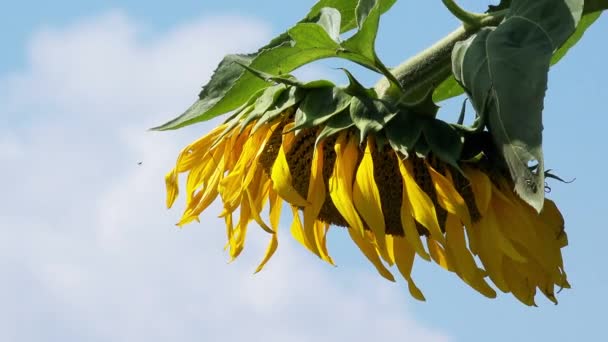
421,73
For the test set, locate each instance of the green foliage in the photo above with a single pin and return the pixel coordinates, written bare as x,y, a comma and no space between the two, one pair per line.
504,70
314,38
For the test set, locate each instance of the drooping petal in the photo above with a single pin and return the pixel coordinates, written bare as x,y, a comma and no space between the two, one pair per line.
272,247
368,249
404,258
482,188
341,181
297,231
366,198
172,185
448,197
316,198
438,254
409,226
321,229
281,176
518,284
463,262
422,206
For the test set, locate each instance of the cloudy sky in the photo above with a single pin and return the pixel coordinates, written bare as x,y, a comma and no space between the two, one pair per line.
89,253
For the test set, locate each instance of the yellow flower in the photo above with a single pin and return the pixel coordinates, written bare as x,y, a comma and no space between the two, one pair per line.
394,207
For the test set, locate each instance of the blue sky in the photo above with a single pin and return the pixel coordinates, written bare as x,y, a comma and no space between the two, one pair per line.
87,251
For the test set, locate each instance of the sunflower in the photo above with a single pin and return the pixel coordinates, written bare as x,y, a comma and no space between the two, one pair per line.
400,190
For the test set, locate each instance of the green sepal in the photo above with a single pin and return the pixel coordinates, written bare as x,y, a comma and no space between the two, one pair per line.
444,141
288,99
263,103
404,131
337,123
320,105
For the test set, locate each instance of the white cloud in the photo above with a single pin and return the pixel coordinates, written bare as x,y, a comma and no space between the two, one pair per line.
88,252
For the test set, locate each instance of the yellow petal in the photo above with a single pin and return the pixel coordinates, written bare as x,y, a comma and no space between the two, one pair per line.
272,247
341,181
404,258
366,198
489,251
517,283
463,261
282,181
209,194
240,231
171,183
554,219
448,197
321,229
370,253
297,231
482,188
316,198
255,213
421,205
409,226
275,209
438,254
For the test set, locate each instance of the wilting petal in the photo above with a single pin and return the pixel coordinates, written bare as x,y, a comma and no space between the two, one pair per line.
517,283
370,253
448,197
409,225
341,181
321,229
422,206
316,198
463,261
171,183
282,181
482,188
438,254
297,231
275,204
404,258
366,198
272,247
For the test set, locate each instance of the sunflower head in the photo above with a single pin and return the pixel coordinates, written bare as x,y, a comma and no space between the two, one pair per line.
402,184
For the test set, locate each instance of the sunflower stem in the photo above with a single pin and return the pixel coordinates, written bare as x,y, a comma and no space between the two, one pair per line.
424,71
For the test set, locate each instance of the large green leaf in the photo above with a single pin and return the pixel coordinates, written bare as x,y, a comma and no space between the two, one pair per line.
315,37
347,9
591,12
505,72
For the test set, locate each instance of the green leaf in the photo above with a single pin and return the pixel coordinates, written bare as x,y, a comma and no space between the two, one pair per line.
595,5
231,85
447,89
347,9
360,48
591,12
586,21
330,20
505,69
